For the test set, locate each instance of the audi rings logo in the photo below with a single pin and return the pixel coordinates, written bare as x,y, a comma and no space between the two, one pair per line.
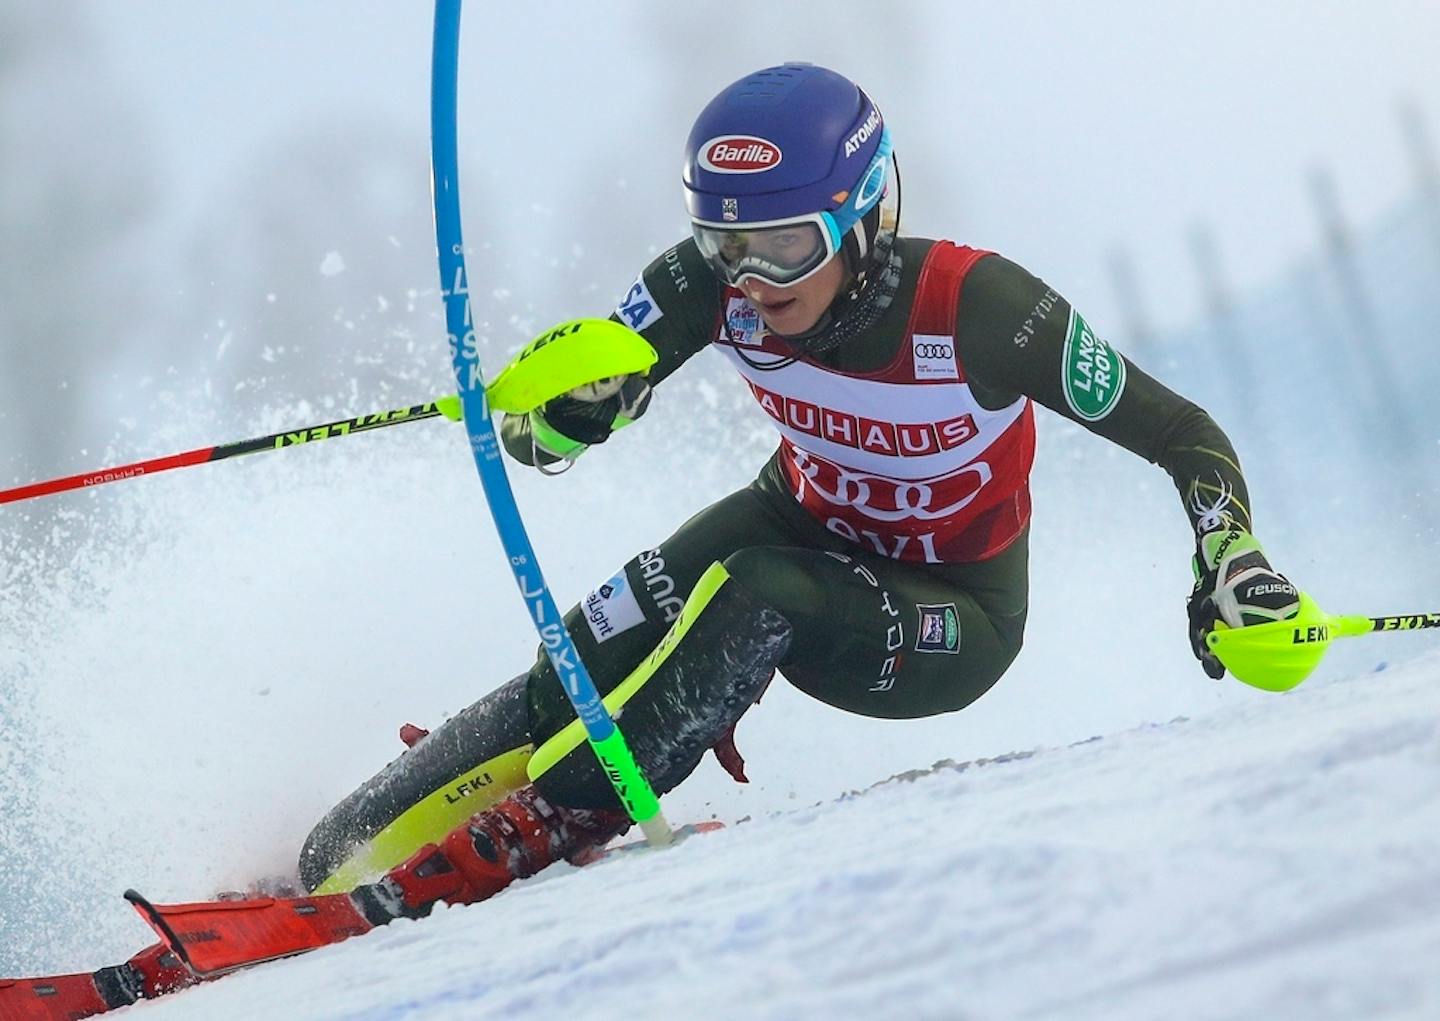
934,357
883,499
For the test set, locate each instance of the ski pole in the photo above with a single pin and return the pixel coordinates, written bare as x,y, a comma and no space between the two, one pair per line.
1399,622
553,363
447,406
1278,655
616,760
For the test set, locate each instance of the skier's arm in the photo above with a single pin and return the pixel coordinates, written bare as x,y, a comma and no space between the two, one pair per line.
1015,336
673,305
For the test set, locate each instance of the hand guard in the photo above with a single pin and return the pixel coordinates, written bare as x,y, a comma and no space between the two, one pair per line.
588,414
1234,583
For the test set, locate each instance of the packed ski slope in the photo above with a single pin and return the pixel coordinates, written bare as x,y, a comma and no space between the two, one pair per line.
1279,859
209,659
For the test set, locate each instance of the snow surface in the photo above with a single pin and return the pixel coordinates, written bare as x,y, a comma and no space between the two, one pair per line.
195,666
1279,859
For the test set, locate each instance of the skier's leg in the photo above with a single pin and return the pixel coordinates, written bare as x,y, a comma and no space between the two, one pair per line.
686,695
890,639
872,636
721,643
856,647
465,765
478,757
618,623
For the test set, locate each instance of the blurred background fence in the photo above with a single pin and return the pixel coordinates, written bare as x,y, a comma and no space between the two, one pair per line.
1328,375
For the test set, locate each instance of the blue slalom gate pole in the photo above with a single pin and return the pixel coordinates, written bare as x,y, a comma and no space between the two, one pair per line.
618,763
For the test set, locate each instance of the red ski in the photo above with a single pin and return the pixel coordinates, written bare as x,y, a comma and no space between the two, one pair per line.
206,939
214,937
198,942
151,973
54,998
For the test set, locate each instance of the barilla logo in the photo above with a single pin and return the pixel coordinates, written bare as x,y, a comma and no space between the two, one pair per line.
862,135
739,154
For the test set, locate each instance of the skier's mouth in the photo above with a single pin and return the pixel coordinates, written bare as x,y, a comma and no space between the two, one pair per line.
776,307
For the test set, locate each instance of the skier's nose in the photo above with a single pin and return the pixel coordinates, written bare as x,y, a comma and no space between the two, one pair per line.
760,293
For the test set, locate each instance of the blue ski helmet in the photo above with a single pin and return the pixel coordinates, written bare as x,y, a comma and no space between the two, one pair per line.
787,168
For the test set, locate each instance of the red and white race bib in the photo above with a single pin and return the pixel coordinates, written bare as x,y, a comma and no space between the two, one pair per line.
903,461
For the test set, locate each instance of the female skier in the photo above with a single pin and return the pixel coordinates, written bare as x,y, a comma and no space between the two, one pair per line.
879,559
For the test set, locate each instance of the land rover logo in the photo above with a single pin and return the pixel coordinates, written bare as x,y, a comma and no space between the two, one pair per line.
939,629
1094,372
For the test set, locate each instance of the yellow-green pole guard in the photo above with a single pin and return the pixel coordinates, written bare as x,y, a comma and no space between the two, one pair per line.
572,354
1277,656
560,359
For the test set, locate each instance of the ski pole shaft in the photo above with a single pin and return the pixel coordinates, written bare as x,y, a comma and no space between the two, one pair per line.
616,760
1349,626
447,406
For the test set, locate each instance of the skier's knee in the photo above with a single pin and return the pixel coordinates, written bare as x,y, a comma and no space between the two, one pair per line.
682,698
768,574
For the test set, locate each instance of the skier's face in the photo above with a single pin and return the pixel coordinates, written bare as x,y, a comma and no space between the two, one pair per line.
792,310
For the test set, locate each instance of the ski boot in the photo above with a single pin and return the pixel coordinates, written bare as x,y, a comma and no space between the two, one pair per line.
511,840
152,972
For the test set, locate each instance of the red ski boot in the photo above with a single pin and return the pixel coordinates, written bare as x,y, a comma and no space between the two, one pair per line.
514,838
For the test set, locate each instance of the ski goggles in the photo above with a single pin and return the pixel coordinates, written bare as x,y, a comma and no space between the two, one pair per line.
780,252
785,252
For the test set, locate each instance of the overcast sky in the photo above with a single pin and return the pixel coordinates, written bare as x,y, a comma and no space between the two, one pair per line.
1050,132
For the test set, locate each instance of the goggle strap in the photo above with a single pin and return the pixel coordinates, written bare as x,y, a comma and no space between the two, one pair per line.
833,230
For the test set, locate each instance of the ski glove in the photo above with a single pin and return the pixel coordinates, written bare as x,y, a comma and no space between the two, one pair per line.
566,425
1234,583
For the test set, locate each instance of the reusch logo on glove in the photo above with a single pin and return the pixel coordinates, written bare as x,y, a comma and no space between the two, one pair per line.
1274,588
739,154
